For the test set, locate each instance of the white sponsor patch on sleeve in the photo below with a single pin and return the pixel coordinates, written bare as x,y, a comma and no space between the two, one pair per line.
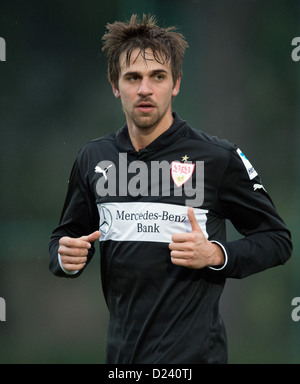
251,171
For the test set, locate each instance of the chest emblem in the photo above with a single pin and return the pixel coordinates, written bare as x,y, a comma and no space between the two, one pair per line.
181,172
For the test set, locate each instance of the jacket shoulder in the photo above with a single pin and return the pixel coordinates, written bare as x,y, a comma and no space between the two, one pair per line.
219,144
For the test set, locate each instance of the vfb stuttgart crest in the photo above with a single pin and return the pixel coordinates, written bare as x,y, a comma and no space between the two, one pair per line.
181,172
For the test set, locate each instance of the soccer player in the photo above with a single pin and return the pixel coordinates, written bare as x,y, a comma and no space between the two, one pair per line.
156,194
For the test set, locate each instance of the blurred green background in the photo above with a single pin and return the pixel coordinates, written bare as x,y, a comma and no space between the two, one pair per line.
239,82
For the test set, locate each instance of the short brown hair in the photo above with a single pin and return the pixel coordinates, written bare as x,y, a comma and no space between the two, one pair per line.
166,44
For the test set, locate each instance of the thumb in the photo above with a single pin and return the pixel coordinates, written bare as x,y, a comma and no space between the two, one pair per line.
92,237
192,219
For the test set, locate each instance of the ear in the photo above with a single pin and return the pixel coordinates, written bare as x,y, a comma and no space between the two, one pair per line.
176,87
116,91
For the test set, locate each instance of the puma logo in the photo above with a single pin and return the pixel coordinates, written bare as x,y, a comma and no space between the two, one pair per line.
103,171
258,186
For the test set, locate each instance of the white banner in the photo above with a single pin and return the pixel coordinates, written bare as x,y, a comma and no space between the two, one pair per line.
146,221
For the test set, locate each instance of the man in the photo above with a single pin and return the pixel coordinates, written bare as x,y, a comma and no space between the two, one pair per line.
156,194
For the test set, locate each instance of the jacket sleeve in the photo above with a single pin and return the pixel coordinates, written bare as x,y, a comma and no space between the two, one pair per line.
79,217
265,241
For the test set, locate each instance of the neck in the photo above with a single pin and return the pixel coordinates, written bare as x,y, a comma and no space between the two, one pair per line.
141,137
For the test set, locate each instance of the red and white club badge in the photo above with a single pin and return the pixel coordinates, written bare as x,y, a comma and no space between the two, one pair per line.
181,172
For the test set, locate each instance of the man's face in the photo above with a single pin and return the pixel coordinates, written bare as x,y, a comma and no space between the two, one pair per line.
146,90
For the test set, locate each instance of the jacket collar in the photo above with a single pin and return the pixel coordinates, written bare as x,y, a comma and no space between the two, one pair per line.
169,136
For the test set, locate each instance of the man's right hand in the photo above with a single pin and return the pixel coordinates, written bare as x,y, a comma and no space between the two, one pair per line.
73,251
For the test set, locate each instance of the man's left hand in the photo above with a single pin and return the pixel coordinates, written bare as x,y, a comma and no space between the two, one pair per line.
193,249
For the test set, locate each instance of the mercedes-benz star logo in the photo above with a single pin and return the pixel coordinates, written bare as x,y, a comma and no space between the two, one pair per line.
105,220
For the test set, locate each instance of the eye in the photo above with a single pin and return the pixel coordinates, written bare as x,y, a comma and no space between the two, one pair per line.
132,77
159,77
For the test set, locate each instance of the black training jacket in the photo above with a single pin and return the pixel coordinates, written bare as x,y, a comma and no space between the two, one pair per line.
160,312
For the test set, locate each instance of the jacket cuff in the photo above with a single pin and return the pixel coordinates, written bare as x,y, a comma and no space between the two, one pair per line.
66,272
225,255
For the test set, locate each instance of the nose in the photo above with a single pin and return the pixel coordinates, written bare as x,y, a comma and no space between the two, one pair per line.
145,87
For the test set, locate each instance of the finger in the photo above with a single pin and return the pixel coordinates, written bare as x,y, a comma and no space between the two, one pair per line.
94,236
73,251
180,245
182,261
73,260
74,242
192,219
183,250
91,237
180,237
73,267
179,255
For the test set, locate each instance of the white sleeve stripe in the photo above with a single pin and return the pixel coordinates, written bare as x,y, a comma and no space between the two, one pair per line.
225,254
66,272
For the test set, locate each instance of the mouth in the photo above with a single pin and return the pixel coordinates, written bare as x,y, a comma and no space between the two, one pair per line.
145,107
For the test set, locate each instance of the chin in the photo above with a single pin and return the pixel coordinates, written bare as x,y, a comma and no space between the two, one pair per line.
146,122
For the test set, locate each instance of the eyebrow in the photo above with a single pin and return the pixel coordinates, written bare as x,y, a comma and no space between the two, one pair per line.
137,73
